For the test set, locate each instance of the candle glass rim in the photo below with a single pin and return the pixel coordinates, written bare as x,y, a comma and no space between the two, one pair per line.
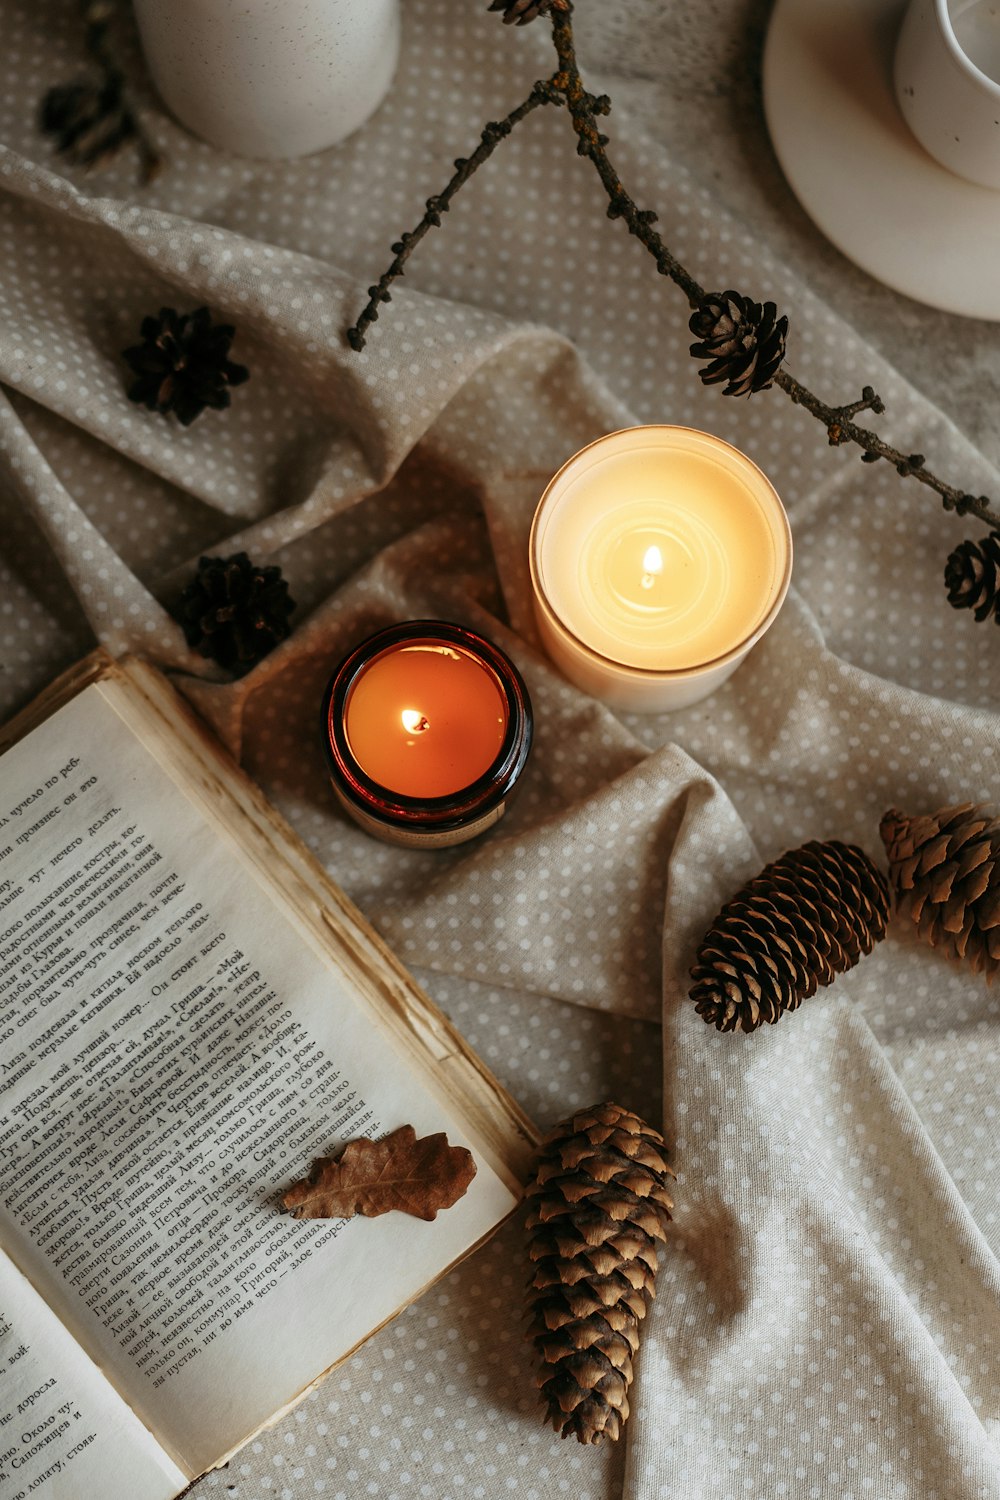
658,674
445,813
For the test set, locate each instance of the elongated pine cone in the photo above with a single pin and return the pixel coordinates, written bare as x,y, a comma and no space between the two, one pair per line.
972,576
945,872
804,919
598,1205
234,611
744,340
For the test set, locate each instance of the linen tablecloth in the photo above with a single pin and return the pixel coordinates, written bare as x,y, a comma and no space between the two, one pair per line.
827,1316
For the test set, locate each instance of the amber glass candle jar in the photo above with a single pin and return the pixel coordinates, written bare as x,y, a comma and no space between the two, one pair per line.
426,730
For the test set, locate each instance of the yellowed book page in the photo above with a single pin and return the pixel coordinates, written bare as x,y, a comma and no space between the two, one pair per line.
64,1432
175,1055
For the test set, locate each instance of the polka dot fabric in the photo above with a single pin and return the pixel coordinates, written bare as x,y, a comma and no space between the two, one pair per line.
827,1322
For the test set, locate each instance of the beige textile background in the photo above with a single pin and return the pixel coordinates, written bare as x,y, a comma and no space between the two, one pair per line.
827,1320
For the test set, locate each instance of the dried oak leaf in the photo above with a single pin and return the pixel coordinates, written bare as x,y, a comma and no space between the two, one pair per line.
372,1177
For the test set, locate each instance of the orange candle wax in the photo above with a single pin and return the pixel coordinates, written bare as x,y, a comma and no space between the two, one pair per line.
425,718
426,730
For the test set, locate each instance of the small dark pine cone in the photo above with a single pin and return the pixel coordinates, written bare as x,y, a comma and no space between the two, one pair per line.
972,575
804,919
235,612
520,12
598,1204
945,872
182,364
88,120
744,341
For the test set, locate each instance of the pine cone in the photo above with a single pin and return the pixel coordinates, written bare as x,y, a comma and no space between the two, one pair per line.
182,364
945,874
804,919
235,612
598,1204
522,11
744,341
89,120
971,576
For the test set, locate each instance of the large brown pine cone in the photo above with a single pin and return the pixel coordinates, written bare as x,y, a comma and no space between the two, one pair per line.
804,919
945,873
598,1205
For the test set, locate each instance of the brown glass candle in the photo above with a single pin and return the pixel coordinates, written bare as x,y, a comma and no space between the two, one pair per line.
426,728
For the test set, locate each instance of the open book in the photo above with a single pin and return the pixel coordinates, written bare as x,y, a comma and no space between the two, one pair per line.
190,1012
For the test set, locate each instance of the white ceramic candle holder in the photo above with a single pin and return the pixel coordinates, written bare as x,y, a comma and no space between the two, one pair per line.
270,78
947,80
658,556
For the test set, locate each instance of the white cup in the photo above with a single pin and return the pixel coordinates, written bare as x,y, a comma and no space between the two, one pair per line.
271,78
947,79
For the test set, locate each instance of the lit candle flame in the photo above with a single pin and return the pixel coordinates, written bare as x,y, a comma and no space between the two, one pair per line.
652,566
413,722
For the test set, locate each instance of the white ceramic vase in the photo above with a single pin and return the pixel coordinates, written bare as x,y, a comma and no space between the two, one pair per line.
270,78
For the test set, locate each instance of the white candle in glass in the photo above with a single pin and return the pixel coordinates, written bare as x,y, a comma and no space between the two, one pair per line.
270,78
659,556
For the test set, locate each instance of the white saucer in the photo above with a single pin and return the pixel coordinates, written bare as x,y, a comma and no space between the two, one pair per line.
857,170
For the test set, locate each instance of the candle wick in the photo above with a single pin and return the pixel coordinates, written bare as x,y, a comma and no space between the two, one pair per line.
652,564
414,722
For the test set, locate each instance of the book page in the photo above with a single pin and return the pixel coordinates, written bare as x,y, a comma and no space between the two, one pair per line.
64,1433
172,1055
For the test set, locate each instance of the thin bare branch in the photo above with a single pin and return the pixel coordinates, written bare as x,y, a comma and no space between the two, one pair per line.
492,134
566,87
